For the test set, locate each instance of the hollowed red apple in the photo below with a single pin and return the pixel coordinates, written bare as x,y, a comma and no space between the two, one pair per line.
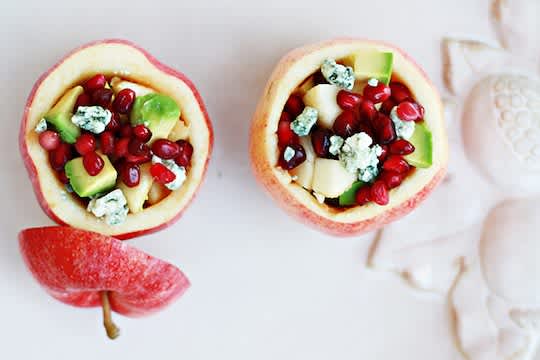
87,269
113,58
288,77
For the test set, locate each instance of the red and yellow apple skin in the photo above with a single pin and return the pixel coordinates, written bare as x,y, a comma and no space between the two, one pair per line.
299,203
32,164
74,266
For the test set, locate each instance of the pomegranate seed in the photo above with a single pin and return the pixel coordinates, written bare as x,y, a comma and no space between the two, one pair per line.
138,159
114,124
392,179
165,149
85,143
130,174
399,91
121,147
420,110
60,156
83,100
401,147
49,140
367,111
93,163
384,129
142,133
396,163
348,100
407,111
124,100
106,140
363,195
102,97
377,94
285,134
384,153
184,156
96,82
161,174
346,124
137,147
379,192
126,131
320,139
294,105
298,157
387,106
366,128
62,177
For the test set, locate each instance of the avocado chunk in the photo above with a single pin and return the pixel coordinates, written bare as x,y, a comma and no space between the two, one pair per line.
348,198
422,156
369,64
86,185
136,196
60,115
158,112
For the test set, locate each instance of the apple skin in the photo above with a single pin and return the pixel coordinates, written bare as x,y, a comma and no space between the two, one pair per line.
75,265
31,168
264,169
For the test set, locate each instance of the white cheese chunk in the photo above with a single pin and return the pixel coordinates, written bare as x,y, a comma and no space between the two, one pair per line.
92,118
337,74
404,129
179,171
112,207
41,126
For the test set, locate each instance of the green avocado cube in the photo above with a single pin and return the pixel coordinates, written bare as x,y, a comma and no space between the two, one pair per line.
158,112
368,64
422,157
86,185
60,115
348,198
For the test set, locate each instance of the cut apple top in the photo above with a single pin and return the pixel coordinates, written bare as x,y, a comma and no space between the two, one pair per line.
114,141
348,131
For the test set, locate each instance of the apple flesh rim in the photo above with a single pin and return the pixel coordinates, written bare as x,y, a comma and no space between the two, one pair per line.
87,269
124,59
290,72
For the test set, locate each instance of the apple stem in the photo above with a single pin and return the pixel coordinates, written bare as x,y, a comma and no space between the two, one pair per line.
112,330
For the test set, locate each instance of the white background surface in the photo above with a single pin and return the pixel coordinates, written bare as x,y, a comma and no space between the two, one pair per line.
264,286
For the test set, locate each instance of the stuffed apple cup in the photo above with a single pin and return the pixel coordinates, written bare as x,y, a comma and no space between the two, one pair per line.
349,135
114,141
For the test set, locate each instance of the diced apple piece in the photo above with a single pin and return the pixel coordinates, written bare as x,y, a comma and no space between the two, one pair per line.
330,178
323,98
304,171
136,196
180,131
157,193
120,84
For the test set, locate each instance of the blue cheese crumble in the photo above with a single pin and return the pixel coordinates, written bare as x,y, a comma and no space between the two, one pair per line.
179,171
304,122
112,207
336,74
373,82
336,142
41,126
359,157
288,154
92,118
404,129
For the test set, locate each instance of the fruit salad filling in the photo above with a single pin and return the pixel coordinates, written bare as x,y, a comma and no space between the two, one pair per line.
119,146
352,131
